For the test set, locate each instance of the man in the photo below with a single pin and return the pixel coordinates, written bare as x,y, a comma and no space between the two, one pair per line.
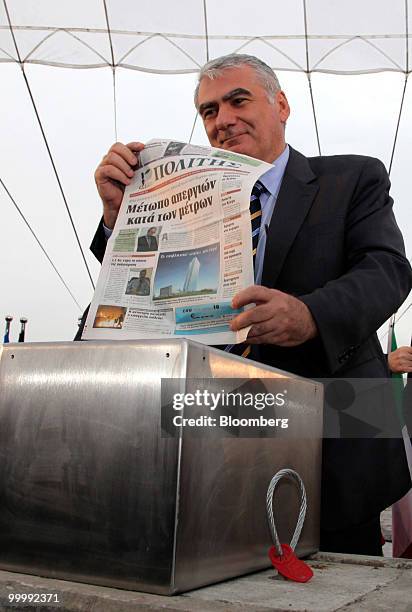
139,286
330,269
148,242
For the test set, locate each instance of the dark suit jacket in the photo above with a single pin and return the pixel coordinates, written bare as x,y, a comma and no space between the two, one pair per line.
147,243
334,243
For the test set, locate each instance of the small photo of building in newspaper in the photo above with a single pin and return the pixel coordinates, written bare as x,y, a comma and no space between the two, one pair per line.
110,316
194,272
139,281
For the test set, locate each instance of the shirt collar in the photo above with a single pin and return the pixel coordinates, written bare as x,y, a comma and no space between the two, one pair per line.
271,178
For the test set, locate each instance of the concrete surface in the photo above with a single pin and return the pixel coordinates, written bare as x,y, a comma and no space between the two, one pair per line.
341,582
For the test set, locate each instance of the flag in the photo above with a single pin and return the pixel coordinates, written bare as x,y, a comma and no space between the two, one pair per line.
402,509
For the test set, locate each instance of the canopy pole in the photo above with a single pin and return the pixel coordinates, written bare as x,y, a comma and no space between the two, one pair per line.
392,319
404,85
206,31
39,243
193,127
109,34
207,59
114,104
308,75
398,123
314,111
47,145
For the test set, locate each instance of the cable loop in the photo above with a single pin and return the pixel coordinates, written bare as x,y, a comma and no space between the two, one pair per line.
291,474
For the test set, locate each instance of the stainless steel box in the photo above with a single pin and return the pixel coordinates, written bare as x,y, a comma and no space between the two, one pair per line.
91,491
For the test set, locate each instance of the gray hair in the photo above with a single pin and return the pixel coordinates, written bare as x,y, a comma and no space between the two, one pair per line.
215,67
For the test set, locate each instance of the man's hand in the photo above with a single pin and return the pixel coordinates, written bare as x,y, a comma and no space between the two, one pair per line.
114,172
277,318
400,361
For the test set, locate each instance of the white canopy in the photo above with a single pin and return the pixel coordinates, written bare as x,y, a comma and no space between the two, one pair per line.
349,37
77,76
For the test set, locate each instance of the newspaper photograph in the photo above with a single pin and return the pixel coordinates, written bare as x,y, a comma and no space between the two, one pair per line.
181,247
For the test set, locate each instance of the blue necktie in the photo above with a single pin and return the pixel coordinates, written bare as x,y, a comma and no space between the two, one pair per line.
243,349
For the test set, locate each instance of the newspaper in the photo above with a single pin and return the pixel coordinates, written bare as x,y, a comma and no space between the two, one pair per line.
181,247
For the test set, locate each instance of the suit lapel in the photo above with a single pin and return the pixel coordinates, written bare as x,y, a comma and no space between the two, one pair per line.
295,198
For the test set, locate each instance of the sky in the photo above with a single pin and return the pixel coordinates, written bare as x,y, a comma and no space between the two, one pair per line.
355,114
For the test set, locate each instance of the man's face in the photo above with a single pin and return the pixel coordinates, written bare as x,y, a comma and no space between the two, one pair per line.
238,116
151,231
142,274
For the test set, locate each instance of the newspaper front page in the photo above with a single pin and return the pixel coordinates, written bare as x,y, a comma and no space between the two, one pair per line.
181,247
